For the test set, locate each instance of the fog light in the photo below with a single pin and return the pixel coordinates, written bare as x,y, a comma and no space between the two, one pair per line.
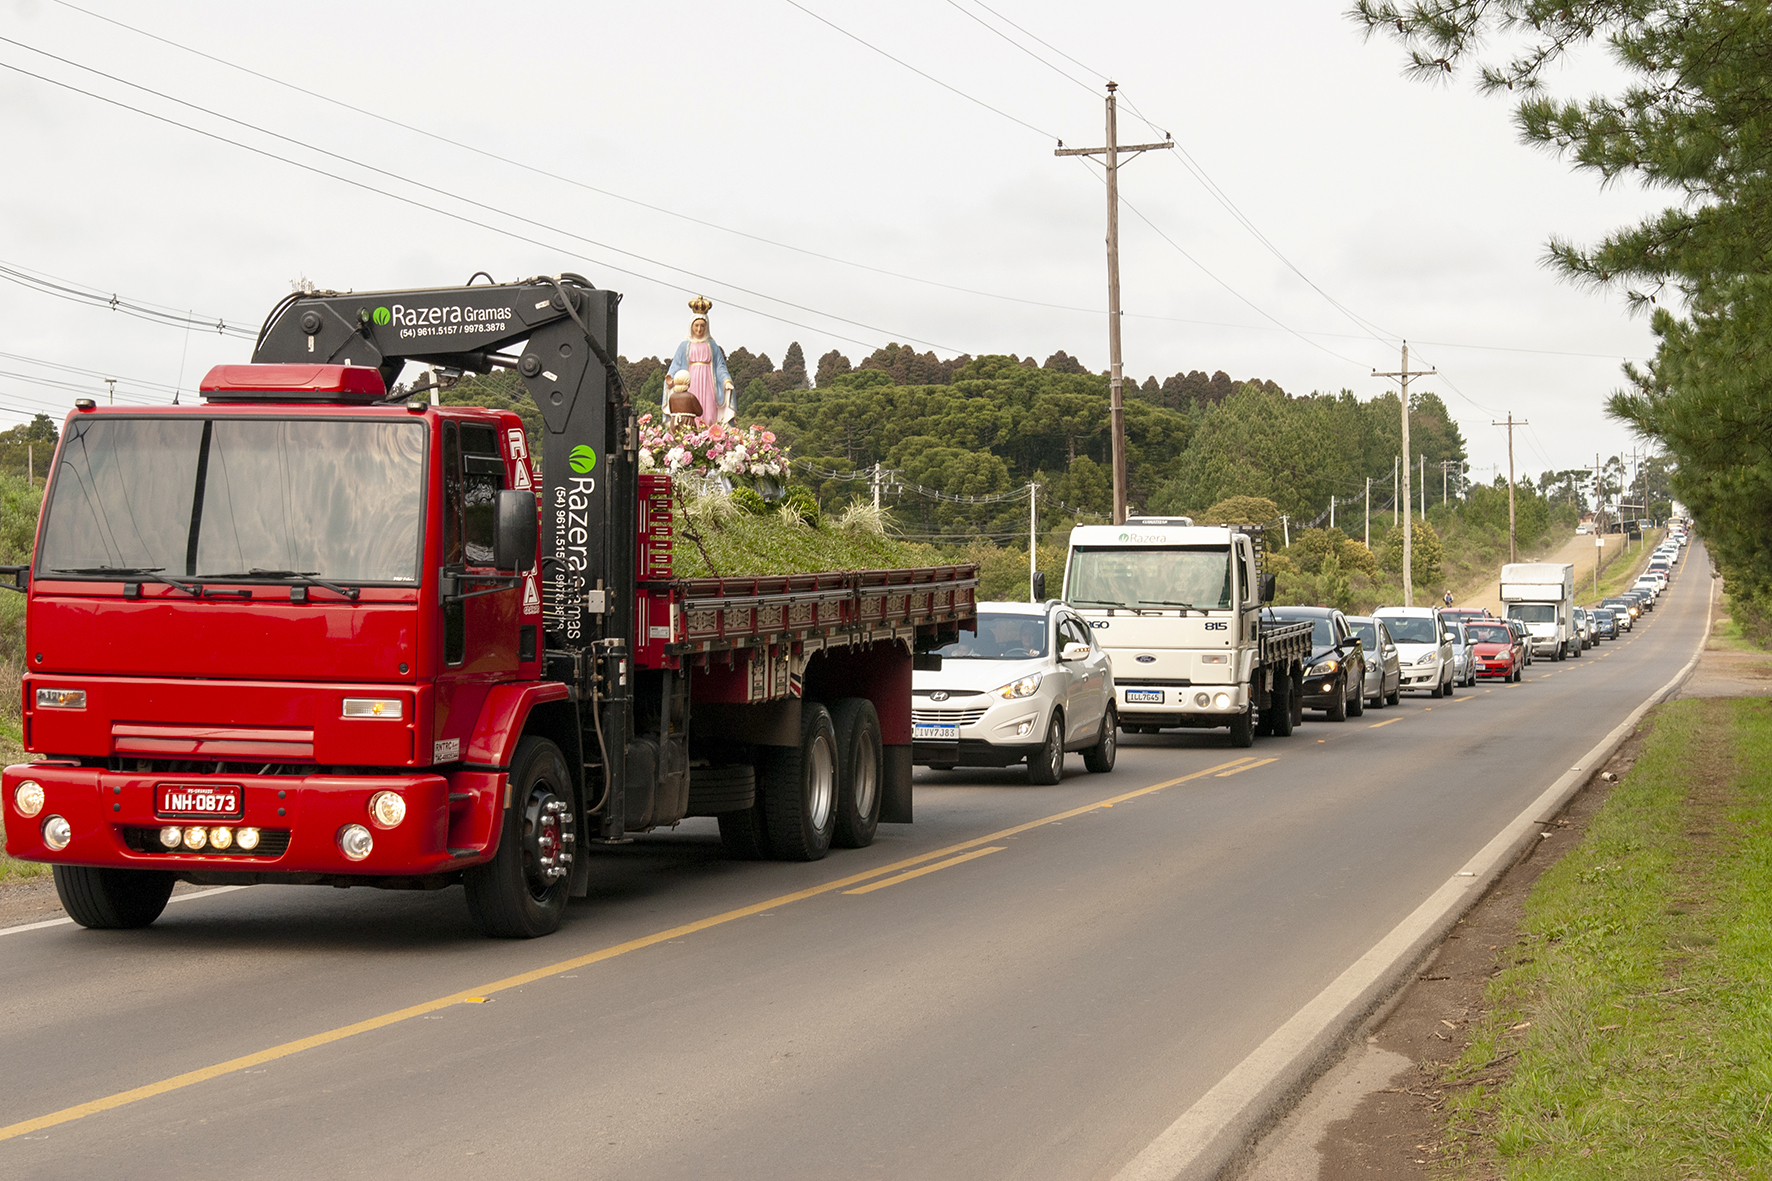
247,839
1222,701
57,833
388,808
1022,730
28,799
196,837
1202,699
355,842
220,838
171,835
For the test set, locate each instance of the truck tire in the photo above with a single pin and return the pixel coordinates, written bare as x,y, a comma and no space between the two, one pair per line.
714,790
1243,728
798,786
1046,765
515,896
1100,757
1280,707
859,772
1296,695
112,899
1338,710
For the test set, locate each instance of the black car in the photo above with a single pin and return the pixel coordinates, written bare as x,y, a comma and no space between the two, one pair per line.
1335,678
1604,622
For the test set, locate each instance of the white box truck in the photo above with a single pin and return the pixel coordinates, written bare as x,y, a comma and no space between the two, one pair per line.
1541,595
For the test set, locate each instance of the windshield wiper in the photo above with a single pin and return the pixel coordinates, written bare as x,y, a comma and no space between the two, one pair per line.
1183,606
312,577
1102,603
153,572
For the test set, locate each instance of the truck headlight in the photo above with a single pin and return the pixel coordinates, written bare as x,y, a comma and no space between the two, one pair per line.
28,798
61,699
355,842
388,808
1025,687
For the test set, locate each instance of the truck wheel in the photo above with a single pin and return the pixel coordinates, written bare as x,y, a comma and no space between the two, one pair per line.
1100,757
1338,710
858,772
1243,728
1295,694
112,899
1280,706
799,790
1046,765
521,893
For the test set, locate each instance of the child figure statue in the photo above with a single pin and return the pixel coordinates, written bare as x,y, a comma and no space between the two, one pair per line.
702,364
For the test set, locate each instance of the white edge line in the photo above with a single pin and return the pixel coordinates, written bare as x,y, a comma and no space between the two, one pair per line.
1223,1124
23,927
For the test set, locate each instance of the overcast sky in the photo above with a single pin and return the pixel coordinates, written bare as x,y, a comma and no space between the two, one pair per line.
767,138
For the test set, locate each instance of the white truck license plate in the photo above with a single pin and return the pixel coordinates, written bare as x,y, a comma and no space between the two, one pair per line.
1144,697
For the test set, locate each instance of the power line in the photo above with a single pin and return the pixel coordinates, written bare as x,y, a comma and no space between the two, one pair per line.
115,303
1019,45
443,192
913,69
463,218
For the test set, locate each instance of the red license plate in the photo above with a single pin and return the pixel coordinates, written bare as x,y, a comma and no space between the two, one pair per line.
190,801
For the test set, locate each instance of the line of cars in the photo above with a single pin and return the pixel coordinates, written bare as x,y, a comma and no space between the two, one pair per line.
1035,682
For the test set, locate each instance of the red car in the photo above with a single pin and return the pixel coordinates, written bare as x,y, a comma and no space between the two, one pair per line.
1495,650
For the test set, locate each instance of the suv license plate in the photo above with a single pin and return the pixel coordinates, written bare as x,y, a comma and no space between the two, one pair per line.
936,732
1144,697
187,801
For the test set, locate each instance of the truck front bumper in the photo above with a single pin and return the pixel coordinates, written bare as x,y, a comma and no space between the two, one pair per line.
1180,705
112,820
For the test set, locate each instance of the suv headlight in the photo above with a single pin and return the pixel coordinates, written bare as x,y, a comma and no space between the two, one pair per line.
1025,687
1324,668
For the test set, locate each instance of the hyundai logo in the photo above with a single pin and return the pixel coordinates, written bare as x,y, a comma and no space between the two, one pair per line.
1146,658
939,695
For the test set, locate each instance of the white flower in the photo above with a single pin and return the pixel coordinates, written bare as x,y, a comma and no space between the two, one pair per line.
676,459
647,463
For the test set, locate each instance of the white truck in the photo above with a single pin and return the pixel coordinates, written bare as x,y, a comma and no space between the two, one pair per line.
1541,595
1178,609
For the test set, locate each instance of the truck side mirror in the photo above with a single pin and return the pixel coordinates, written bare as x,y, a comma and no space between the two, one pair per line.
1039,586
513,542
1267,587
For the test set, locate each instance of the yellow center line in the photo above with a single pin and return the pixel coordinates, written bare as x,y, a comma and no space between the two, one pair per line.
1376,725
1245,767
480,992
1456,701
917,873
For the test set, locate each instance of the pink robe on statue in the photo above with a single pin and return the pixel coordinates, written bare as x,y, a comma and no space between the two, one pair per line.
701,381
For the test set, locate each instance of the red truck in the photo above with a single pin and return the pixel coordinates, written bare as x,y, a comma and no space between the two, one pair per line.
308,632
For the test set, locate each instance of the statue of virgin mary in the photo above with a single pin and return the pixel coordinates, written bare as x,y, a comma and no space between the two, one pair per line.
703,362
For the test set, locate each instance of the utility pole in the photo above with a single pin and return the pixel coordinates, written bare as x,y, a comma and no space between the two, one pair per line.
112,382
1368,512
1403,375
1423,483
1332,510
1396,483
1033,537
1286,529
1116,405
1510,424
876,487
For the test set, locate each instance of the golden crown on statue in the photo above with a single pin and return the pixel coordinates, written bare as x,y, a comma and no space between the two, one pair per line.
700,305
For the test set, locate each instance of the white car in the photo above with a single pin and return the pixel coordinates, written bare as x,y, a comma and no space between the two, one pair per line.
1424,646
1030,684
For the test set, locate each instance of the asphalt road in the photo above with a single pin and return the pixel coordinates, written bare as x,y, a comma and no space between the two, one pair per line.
1062,982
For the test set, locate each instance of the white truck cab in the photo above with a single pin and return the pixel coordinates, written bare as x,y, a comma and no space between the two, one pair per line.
1541,595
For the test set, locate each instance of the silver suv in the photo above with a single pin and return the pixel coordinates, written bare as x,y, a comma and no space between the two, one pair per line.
1028,685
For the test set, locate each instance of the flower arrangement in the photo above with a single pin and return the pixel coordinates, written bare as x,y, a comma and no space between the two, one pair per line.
710,451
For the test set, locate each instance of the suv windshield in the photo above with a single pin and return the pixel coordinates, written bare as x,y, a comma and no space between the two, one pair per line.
1001,636
229,496
1169,577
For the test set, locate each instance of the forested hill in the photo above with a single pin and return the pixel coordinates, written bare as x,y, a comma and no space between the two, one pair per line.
983,426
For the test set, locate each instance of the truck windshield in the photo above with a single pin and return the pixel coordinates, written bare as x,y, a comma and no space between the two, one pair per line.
1000,636
1133,577
1533,612
230,496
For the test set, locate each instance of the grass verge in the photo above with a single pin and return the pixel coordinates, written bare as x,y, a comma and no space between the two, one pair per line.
12,750
1632,1021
